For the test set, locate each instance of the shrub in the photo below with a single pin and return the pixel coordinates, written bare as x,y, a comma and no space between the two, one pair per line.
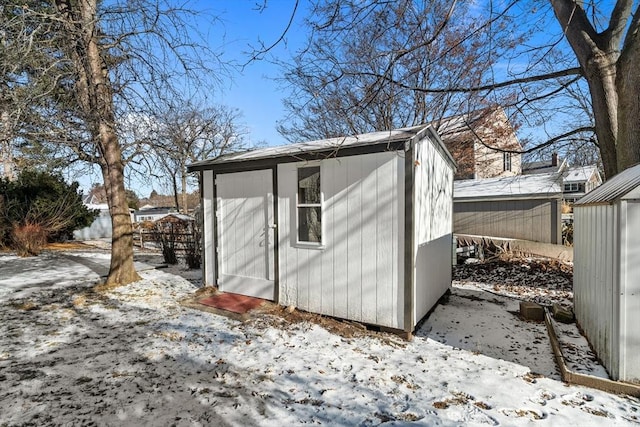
193,248
28,239
165,235
40,199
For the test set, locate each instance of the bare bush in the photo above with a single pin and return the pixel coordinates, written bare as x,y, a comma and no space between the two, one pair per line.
29,239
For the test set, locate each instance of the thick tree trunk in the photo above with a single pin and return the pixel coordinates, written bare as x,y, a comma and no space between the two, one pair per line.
122,270
610,66
94,92
600,72
628,85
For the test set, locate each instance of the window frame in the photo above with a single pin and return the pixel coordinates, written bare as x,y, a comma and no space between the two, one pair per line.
573,187
506,162
320,205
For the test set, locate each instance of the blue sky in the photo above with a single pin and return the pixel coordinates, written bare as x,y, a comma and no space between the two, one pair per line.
254,91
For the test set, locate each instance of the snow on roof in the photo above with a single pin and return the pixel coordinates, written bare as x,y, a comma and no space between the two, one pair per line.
292,150
543,166
179,216
614,189
537,185
99,206
580,173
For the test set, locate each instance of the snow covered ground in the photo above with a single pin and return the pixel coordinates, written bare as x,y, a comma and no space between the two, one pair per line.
136,356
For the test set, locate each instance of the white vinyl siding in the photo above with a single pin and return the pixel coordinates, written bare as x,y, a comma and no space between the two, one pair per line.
357,273
208,254
433,226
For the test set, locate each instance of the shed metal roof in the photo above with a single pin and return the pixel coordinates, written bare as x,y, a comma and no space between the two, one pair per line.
613,189
518,186
294,151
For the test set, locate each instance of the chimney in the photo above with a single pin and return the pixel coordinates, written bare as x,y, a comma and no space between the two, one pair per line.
554,159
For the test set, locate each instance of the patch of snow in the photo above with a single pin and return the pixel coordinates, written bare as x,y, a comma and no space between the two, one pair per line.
136,356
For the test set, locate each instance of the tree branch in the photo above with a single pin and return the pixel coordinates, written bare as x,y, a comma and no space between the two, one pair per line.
540,77
256,55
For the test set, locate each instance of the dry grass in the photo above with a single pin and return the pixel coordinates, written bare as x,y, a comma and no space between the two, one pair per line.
67,246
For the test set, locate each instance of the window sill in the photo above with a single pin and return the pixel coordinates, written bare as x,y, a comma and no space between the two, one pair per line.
303,245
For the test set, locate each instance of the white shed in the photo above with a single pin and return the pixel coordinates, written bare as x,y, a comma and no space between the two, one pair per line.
355,227
606,277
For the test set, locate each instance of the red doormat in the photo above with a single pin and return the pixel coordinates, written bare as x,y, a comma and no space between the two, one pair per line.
232,302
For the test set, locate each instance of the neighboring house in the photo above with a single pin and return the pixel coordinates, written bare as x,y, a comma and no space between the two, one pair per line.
580,180
100,227
483,144
151,213
524,207
553,165
354,227
577,180
606,270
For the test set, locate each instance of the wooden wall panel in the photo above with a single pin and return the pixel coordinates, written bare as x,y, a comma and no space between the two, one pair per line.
354,274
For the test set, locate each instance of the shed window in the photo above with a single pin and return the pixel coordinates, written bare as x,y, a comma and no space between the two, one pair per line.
309,205
506,161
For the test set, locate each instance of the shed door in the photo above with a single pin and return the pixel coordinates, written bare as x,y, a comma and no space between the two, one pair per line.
245,233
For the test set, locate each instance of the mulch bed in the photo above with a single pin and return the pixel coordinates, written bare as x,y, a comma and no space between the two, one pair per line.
232,302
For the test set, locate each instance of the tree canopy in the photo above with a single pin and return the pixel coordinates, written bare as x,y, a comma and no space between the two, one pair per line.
562,69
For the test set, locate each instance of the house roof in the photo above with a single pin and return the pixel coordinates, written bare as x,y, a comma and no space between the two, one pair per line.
518,186
580,173
614,189
449,128
153,211
331,147
543,166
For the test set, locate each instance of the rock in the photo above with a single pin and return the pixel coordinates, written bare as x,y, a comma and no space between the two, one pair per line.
531,311
562,314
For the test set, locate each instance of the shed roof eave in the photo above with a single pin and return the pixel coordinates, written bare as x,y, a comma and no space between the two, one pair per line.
584,205
317,150
537,196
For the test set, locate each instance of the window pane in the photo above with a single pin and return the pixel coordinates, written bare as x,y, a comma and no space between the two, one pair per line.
309,185
309,226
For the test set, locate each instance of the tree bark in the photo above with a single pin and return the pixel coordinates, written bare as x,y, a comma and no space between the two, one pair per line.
183,177
613,78
175,191
95,95
628,84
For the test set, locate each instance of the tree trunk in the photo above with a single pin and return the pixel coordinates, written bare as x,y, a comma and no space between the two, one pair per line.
613,78
175,191
600,72
94,92
122,270
5,147
183,176
628,85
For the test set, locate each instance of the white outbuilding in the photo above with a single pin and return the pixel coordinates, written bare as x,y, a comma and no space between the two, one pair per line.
356,227
606,277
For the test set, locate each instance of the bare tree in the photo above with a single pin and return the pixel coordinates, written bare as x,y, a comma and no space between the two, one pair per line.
190,133
522,61
101,62
336,77
608,62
